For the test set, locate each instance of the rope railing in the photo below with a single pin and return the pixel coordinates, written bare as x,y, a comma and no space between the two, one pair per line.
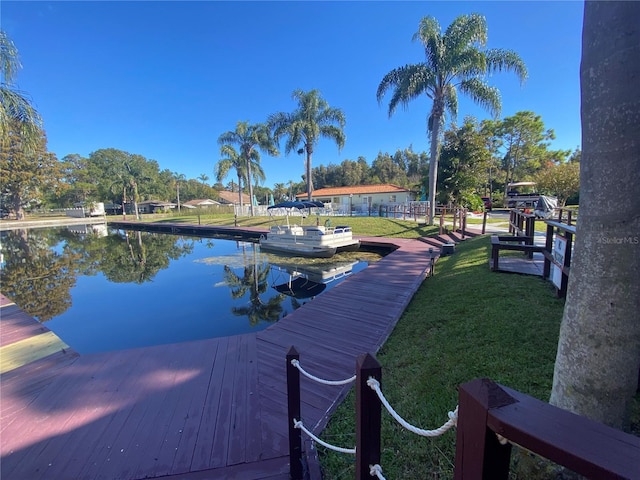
376,471
367,450
296,364
300,425
453,416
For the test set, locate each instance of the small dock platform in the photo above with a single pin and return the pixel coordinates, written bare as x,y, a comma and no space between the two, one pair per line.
212,408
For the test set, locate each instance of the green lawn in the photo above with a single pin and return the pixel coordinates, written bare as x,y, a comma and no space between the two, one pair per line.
464,323
370,226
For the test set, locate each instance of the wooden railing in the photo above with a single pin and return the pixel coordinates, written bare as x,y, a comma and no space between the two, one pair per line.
490,418
486,410
557,249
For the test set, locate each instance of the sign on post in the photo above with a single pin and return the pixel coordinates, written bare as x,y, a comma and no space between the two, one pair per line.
559,252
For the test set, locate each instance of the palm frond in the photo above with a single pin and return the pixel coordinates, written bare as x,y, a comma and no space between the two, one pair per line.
507,60
451,100
9,60
430,35
483,94
16,110
466,30
334,133
408,82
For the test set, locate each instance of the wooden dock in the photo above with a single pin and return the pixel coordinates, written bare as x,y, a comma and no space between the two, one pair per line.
212,408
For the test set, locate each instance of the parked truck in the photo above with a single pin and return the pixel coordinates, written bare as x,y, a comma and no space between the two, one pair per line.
521,195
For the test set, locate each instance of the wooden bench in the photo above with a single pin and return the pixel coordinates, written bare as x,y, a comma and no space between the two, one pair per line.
509,242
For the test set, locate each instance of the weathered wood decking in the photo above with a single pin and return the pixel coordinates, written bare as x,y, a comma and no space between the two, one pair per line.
206,409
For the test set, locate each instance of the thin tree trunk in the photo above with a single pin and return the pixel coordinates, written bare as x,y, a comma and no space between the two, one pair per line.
240,191
124,202
250,183
596,370
309,179
135,200
433,166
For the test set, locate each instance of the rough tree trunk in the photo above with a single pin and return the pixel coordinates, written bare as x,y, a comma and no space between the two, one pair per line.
596,370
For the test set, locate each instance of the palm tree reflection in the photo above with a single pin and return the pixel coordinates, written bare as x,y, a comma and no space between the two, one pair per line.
253,282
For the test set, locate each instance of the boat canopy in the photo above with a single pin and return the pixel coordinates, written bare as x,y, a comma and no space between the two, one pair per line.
302,205
301,287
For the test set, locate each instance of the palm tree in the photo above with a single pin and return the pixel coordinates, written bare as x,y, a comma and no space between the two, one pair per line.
203,178
231,160
304,127
250,139
14,105
178,177
455,60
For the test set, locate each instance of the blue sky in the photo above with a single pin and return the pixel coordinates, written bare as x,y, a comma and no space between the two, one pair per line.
165,79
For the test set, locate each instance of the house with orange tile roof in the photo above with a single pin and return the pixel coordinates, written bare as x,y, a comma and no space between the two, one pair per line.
361,198
231,198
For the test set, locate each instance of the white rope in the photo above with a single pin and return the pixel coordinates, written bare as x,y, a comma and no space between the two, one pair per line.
453,416
298,424
376,471
296,364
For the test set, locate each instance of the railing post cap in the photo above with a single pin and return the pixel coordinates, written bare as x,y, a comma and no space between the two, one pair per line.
487,392
366,360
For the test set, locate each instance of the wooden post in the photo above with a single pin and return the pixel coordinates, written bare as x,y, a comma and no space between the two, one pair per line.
293,404
479,454
368,422
455,217
463,222
484,222
442,214
530,232
548,246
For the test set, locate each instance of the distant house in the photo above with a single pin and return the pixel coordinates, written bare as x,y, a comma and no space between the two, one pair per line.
361,197
112,208
200,203
155,206
231,198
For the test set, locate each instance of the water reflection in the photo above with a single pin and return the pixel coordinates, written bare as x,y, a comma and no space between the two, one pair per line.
102,289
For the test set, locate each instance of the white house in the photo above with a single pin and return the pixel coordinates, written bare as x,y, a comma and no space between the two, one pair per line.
200,203
361,198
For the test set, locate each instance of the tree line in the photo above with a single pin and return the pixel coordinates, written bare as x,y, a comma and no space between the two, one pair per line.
477,158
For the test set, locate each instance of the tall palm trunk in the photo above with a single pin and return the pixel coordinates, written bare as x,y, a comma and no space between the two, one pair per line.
596,370
240,191
309,151
437,113
250,183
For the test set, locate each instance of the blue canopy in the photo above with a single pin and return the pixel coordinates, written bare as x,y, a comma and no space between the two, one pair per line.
299,205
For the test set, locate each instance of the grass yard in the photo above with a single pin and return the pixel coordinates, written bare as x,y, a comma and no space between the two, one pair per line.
464,323
369,226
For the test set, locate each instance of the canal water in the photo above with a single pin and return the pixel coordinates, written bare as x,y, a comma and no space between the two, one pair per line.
102,289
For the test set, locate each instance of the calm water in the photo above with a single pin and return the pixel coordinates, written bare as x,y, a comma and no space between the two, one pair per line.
101,289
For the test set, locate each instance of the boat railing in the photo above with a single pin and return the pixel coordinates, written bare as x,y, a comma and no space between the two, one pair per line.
342,229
